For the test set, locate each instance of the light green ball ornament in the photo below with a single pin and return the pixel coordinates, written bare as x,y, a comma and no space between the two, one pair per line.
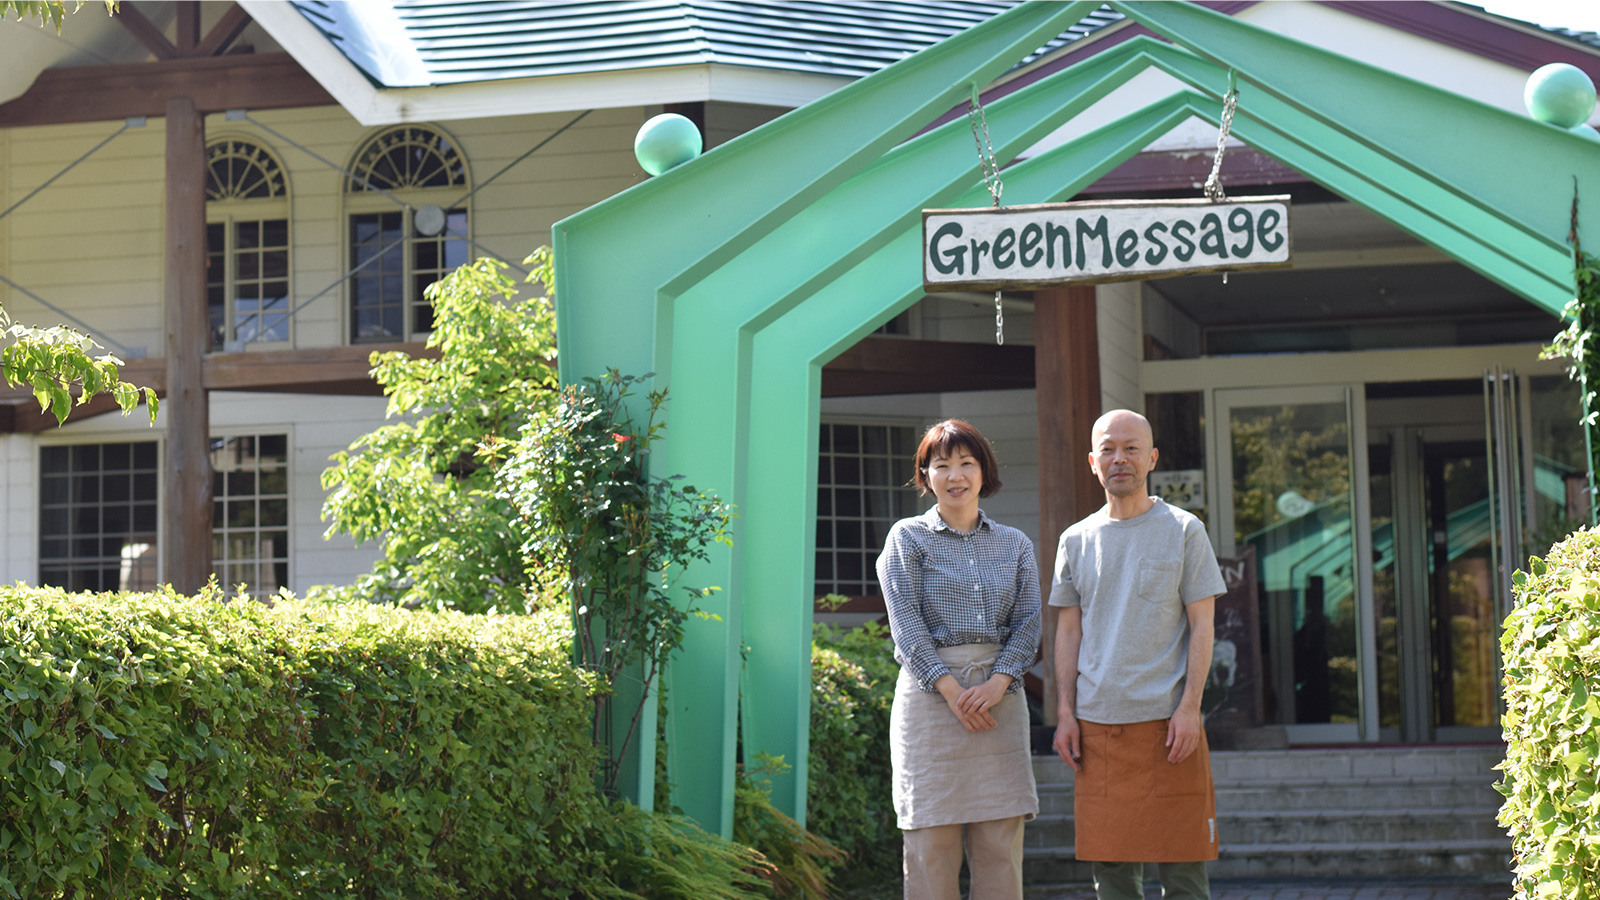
666,141
1559,93
1586,130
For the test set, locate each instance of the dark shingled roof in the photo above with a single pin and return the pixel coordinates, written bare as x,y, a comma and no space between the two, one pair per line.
420,42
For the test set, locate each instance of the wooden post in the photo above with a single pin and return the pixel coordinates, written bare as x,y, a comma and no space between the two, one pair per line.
187,508
1067,392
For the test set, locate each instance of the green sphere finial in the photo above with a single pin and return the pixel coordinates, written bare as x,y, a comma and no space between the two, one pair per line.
666,141
1559,93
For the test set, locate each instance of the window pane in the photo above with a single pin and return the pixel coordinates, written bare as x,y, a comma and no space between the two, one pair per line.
275,263
274,482
116,457
53,459
862,474
376,291
274,447
251,528
53,490
101,541
455,254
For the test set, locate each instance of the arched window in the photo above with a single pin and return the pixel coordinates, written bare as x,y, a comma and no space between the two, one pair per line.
247,244
395,253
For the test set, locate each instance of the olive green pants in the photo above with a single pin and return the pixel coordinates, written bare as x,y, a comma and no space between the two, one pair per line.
1125,881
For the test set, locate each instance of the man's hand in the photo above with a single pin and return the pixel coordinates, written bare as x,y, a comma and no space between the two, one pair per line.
1069,741
974,720
1184,732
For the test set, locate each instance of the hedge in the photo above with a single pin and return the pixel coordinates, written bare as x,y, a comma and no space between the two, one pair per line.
159,746
849,799
1551,774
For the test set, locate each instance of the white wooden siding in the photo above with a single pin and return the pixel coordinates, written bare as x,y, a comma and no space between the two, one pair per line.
1121,345
726,121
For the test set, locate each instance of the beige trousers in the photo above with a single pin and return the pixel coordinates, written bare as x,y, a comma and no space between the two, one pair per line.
994,860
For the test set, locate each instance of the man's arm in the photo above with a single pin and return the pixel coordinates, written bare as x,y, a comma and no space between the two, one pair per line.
1184,729
1069,637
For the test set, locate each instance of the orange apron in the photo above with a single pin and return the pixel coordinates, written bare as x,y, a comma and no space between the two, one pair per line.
1131,805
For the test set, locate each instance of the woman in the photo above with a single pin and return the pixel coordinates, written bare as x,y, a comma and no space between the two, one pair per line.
963,599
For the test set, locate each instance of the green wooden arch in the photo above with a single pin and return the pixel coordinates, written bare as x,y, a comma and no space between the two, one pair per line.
735,277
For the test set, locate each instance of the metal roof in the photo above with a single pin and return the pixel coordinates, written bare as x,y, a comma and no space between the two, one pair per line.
409,43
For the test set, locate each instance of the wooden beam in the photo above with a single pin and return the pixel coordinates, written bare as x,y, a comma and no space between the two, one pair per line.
327,370
187,13
886,365
145,32
1067,397
186,542
342,371
109,93
225,32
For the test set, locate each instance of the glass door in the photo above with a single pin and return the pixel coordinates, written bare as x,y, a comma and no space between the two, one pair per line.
1451,508
1288,467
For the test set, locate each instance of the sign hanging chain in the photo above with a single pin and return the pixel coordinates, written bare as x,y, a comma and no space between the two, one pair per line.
991,180
1230,103
1213,185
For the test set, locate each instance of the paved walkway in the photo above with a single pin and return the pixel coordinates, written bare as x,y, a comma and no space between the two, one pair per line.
1313,890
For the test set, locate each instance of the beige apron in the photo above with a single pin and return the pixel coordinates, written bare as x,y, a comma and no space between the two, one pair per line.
1131,805
947,775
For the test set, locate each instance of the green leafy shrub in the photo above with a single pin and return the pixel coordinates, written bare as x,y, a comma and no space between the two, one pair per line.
1551,781
423,486
157,746
799,860
848,799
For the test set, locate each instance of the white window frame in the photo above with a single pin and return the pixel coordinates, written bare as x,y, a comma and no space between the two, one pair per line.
358,202
222,532
231,213
905,501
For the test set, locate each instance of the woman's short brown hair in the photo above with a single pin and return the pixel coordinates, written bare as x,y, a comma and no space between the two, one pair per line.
946,439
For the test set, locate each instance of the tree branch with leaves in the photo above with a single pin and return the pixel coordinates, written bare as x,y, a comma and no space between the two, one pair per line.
53,12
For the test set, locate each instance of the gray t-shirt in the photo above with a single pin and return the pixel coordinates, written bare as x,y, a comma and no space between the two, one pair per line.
1133,578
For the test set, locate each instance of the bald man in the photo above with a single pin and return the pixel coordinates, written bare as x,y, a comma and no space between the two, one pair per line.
1136,584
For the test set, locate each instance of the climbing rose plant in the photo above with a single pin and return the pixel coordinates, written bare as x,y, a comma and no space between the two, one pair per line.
612,537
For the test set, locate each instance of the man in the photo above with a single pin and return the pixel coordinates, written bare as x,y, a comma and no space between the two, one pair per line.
1136,584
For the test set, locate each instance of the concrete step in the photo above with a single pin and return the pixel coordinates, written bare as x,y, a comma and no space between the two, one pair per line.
1365,793
1316,826
1407,859
1335,812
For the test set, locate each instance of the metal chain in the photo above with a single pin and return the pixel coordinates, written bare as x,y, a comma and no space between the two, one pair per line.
980,137
1213,186
991,180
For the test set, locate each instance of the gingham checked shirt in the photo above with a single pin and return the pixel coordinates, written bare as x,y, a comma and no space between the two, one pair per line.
944,588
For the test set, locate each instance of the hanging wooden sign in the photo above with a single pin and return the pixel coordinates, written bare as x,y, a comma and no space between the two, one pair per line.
999,248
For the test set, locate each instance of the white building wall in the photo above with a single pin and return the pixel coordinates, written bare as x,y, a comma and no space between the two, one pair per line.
112,204
318,427
16,499
726,121
108,209
1120,335
1008,419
